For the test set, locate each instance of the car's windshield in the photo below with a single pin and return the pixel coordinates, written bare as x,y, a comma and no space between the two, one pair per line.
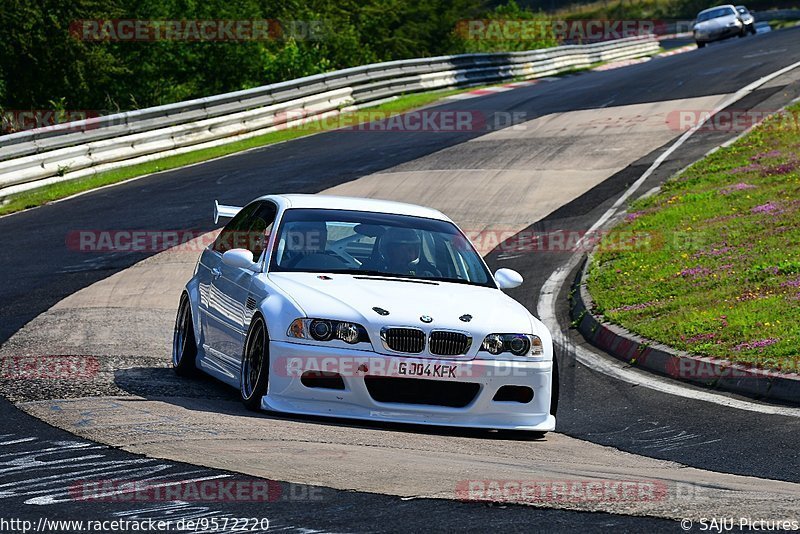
714,13
376,244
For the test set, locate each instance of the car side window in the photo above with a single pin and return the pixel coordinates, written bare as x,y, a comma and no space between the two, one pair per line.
258,232
230,236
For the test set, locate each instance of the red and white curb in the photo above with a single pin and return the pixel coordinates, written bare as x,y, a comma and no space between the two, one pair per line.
676,51
627,62
682,35
620,64
483,91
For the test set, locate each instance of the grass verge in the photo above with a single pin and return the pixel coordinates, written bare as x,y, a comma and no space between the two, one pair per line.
711,264
40,196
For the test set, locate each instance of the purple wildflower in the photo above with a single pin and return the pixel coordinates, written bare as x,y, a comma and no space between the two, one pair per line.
791,283
699,337
694,272
632,307
769,207
738,187
760,344
714,250
770,154
784,168
747,168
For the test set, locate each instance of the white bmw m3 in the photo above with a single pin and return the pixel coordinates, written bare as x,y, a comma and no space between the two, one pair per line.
364,309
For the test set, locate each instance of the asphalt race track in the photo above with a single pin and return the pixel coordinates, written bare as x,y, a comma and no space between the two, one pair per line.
577,144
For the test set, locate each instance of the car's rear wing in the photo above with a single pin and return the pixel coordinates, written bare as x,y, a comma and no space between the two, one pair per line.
222,211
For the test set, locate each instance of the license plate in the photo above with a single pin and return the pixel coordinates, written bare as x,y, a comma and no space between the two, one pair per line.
433,370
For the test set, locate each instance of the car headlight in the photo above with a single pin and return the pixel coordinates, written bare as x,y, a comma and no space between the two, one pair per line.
516,344
327,330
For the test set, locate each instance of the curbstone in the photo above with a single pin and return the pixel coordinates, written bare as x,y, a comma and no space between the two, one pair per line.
713,373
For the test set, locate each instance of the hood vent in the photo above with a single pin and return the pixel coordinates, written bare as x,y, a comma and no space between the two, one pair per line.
406,280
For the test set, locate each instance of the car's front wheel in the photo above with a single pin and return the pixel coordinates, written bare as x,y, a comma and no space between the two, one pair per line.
184,344
254,376
700,44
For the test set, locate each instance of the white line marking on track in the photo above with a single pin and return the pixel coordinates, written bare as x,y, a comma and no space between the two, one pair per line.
768,53
615,368
12,442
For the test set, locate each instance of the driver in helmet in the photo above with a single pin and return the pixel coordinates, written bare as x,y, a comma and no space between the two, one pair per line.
401,253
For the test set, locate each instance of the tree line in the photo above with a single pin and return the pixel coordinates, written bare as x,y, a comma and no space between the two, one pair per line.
80,55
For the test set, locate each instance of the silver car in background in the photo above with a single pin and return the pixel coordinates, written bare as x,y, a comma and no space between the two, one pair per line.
748,19
718,23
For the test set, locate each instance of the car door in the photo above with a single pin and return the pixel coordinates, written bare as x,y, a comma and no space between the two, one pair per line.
210,268
230,286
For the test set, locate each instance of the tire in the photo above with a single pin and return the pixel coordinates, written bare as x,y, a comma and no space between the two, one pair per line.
700,44
184,344
752,29
254,373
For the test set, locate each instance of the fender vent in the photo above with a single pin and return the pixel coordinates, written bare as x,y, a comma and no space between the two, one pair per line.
251,303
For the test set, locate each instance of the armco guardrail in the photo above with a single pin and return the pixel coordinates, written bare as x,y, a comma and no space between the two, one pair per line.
777,14
34,158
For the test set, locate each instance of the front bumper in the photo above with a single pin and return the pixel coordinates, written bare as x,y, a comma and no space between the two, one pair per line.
287,392
717,34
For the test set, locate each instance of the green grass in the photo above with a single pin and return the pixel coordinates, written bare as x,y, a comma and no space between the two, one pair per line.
49,193
780,24
712,262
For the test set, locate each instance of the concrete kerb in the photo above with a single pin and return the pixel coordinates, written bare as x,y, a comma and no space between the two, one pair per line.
661,359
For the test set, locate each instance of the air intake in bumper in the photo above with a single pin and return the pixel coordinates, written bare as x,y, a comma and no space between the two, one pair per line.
419,391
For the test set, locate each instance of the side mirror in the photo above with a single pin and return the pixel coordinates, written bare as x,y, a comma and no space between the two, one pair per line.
242,258
507,278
